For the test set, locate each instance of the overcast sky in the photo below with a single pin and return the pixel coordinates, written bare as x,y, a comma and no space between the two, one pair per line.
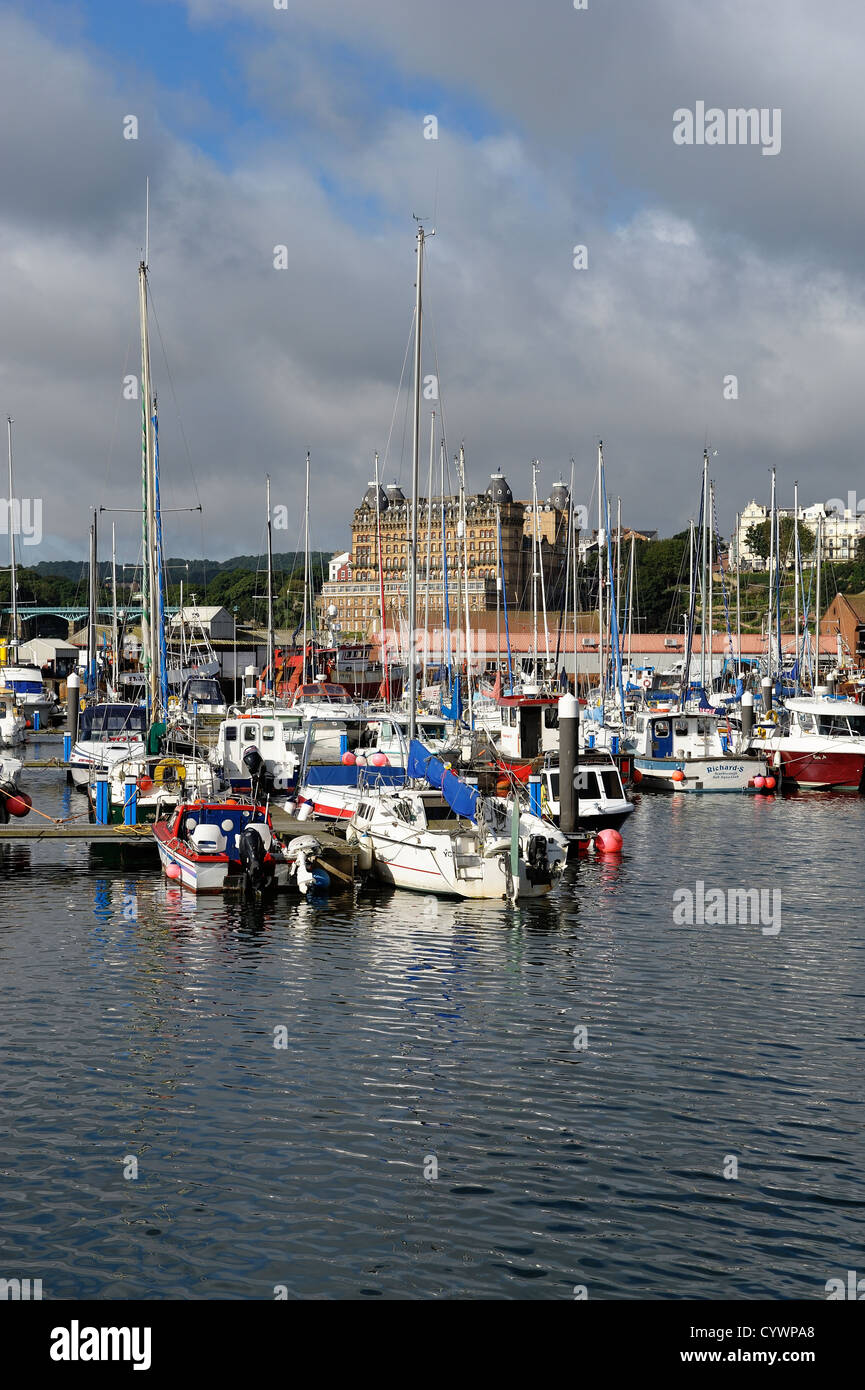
304,127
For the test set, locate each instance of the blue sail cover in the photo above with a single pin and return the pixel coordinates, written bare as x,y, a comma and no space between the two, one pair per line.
461,798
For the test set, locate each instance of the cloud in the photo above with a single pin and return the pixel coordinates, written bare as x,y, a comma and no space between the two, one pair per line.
555,129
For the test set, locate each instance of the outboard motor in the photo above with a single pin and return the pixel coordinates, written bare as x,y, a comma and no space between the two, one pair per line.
537,863
257,769
251,851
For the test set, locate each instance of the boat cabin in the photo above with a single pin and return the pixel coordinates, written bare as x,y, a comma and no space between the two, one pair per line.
530,725
681,734
278,735
102,723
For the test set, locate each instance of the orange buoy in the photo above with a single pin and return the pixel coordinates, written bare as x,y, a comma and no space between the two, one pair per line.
608,841
678,775
770,782
759,781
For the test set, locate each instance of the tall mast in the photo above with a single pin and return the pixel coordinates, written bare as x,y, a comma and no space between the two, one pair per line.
415,464
13,579
601,543
574,571
432,429
535,569
618,557
461,465
305,572
271,673
796,579
150,580
543,585
817,606
738,606
383,631
631,598
710,593
704,587
498,590
115,639
771,573
91,618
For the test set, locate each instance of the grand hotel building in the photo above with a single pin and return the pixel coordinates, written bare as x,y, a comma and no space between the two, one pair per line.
351,596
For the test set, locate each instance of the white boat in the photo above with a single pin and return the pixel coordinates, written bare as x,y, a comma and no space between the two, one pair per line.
107,734
275,732
12,725
692,751
160,784
815,742
407,847
602,803
23,686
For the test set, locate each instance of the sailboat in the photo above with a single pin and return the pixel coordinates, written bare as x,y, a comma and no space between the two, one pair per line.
485,847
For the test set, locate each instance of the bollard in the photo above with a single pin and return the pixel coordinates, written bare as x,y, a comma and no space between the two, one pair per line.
569,801
614,745
590,740
36,721
766,687
130,802
103,801
343,744
73,687
535,795
747,717
67,747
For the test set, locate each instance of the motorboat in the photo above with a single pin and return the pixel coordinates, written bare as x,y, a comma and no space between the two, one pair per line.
602,803
815,742
693,751
208,846
107,734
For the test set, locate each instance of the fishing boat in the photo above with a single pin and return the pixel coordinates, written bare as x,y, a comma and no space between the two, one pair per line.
24,687
209,846
276,735
815,742
693,751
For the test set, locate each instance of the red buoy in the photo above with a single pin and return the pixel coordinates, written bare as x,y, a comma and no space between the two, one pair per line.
608,841
145,784
678,775
173,871
759,781
770,782
19,804
348,759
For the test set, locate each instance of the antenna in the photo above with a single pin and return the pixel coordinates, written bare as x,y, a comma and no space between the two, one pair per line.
147,222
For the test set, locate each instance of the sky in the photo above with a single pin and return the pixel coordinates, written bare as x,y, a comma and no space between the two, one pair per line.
306,127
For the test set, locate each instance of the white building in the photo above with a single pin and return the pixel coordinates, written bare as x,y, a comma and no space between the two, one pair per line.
217,623
337,563
842,529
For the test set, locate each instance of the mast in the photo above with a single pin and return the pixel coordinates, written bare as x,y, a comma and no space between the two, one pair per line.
618,555
383,632
601,542
91,619
115,639
150,581
704,540
738,606
415,461
543,587
631,599
445,598
461,465
498,590
771,572
574,571
432,428
13,578
305,572
796,578
711,595
535,569
817,606
270,684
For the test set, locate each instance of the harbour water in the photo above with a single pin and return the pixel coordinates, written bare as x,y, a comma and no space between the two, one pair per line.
436,1124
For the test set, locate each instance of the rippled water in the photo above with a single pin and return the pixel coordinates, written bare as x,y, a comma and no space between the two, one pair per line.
140,1023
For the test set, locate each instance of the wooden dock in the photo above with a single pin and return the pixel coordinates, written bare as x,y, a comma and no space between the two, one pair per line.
337,857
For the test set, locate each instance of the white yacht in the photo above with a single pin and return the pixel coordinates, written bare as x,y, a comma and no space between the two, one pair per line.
107,734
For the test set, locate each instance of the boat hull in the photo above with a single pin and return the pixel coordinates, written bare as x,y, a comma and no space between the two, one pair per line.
823,770
697,774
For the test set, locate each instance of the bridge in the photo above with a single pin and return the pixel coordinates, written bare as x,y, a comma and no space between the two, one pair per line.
60,610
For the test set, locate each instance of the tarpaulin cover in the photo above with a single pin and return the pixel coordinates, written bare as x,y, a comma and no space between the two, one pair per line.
461,798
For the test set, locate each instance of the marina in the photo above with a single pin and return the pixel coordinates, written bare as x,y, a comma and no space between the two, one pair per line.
432,675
